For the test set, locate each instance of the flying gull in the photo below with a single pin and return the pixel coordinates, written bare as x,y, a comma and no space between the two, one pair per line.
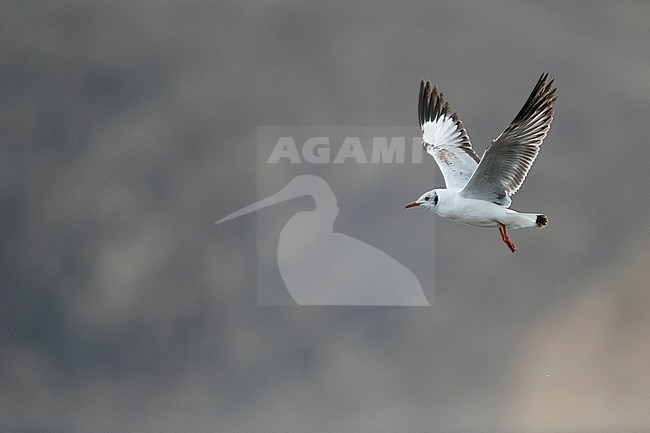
479,189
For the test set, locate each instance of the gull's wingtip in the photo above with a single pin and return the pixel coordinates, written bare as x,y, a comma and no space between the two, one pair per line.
542,81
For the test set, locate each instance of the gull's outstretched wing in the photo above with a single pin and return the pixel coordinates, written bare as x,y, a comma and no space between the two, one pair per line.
445,138
508,158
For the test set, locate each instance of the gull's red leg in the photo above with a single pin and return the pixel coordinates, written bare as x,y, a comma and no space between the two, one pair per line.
505,238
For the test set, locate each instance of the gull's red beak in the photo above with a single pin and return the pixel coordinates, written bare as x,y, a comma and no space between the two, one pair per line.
412,204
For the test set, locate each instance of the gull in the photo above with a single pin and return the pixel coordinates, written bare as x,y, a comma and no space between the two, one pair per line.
479,189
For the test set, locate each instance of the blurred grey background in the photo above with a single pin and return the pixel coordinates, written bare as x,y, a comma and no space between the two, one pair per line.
128,128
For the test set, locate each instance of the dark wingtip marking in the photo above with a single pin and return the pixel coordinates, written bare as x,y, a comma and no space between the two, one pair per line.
431,103
541,221
541,99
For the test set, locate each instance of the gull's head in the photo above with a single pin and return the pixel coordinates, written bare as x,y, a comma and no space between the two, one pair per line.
428,201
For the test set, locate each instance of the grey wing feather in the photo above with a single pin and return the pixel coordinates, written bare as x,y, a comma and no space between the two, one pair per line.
506,162
445,138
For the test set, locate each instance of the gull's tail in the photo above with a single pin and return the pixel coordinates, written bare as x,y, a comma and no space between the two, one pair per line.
541,220
527,220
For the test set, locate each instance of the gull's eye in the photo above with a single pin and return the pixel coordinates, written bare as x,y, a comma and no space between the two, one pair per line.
427,198
435,199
